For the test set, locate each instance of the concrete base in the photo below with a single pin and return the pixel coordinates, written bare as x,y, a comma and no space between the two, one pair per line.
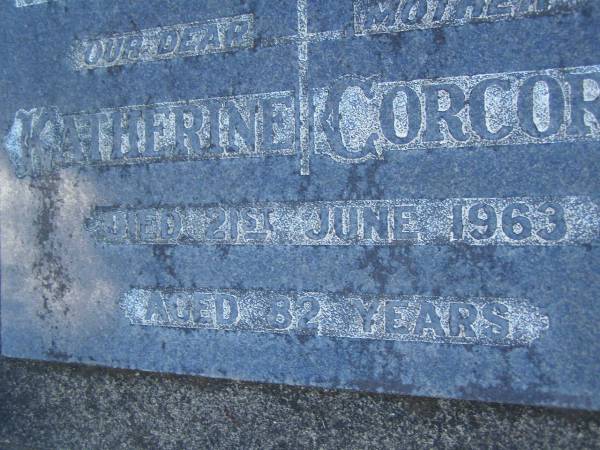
63,406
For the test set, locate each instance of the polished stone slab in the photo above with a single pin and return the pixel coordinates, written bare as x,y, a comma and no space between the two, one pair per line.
395,196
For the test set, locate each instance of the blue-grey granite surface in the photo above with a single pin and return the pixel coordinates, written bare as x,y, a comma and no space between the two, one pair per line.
389,196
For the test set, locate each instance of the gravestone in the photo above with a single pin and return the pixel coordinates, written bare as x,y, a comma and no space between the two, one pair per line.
384,195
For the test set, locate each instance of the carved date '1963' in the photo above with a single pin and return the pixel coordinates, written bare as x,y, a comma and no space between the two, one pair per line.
471,221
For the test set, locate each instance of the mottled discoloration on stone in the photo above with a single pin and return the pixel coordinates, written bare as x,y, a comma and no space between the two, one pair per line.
450,168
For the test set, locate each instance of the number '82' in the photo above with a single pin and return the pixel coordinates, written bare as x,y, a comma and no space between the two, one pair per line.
516,221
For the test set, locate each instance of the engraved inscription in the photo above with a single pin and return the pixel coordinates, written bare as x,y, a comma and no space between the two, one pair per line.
354,120
399,125
42,140
474,221
21,3
178,41
391,16
481,321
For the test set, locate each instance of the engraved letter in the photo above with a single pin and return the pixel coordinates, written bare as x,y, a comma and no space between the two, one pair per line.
375,222
541,106
237,33
323,229
410,115
278,132
241,131
366,310
133,46
112,49
93,52
155,309
494,313
167,42
380,14
395,322
440,10
154,128
499,7
428,318
170,225
585,103
478,111
346,230
227,309
402,218
71,140
462,316
189,122
413,11
202,307
468,9
179,305
443,104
